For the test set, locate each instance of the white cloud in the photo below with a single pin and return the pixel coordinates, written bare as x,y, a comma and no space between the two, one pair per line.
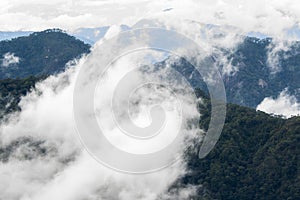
276,51
71,173
87,179
10,59
269,17
48,116
284,104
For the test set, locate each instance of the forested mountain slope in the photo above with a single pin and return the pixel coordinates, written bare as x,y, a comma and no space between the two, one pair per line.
256,75
256,157
40,53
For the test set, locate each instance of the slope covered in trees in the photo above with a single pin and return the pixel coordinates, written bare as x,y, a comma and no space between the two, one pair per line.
40,53
262,73
259,73
11,91
256,157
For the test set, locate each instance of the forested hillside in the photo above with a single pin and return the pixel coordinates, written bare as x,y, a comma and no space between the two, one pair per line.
11,91
256,157
257,77
40,53
254,78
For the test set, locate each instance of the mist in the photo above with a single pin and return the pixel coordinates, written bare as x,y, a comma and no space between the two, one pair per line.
284,104
54,162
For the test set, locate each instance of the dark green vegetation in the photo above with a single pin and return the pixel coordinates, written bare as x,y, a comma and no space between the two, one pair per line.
11,91
256,157
254,81
41,53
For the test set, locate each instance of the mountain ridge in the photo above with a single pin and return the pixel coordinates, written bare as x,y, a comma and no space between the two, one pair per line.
40,53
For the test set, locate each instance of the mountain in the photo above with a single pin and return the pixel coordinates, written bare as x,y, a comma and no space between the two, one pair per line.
8,35
256,157
11,91
255,78
40,53
92,35
87,35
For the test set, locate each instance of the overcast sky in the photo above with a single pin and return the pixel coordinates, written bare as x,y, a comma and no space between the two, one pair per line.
266,16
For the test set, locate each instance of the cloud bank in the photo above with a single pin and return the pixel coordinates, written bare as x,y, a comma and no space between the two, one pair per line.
284,104
63,169
274,18
47,160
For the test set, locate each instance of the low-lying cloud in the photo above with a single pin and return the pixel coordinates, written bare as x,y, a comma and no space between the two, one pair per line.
285,105
66,170
10,59
63,168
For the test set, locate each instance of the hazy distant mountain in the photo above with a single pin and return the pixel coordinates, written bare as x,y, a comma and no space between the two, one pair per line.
87,35
92,35
8,35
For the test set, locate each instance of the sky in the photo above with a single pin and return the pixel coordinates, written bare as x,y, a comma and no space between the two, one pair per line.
270,17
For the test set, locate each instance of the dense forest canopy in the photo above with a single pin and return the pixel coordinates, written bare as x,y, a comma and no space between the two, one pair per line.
40,53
